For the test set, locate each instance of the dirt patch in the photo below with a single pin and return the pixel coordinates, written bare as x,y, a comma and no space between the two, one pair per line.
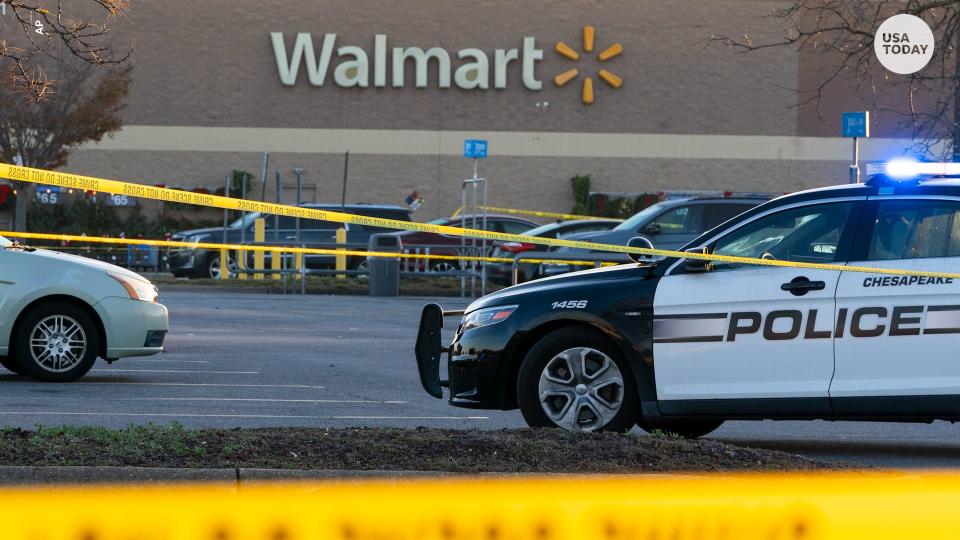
421,449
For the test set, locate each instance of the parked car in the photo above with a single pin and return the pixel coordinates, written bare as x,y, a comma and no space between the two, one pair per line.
185,262
441,244
502,273
59,312
668,225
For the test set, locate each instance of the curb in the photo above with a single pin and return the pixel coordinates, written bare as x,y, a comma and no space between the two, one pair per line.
26,475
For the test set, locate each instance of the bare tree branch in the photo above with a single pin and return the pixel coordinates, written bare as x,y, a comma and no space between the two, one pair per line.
42,132
844,31
30,32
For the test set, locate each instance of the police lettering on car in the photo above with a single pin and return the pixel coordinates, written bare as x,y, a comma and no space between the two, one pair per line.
681,344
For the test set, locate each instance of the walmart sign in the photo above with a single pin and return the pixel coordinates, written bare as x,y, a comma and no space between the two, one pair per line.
469,69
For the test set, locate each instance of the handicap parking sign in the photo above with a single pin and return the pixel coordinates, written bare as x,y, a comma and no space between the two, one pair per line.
855,124
474,148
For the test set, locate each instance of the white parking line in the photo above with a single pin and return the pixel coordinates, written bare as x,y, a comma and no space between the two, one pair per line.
265,416
218,385
264,400
165,361
109,370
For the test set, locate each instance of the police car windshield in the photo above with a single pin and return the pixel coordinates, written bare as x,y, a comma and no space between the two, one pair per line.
4,243
641,218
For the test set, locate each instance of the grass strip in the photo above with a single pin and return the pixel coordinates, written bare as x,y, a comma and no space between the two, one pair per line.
420,449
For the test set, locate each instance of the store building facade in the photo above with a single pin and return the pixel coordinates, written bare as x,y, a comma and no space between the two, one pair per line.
627,91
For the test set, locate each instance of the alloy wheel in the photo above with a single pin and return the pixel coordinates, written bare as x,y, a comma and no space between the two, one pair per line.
581,389
58,343
444,267
215,268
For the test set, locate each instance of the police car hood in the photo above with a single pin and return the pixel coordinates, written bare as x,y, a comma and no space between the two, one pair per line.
557,284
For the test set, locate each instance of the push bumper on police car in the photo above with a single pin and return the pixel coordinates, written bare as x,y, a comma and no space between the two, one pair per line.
475,362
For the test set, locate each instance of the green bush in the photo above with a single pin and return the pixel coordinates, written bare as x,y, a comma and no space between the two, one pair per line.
581,192
620,205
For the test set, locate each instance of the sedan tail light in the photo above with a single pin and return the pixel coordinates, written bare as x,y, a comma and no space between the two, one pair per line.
516,247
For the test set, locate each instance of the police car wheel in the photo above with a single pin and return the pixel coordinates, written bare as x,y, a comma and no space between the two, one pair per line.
688,429
574,378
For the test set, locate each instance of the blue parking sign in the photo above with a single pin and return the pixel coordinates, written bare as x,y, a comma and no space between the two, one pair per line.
474,148
855,124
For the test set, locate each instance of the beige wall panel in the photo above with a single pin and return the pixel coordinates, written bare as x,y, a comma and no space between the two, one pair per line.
211,63
520,182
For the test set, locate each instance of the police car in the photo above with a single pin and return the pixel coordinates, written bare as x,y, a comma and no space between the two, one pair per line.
681,345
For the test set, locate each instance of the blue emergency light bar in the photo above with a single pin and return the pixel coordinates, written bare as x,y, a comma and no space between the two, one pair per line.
902,170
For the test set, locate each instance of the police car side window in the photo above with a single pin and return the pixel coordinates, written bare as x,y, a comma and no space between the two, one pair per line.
915,229
805,234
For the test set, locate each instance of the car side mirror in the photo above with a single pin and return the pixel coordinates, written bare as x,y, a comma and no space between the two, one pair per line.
652,228
643,243
697,265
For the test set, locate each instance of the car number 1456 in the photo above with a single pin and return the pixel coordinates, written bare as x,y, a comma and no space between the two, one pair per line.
570,304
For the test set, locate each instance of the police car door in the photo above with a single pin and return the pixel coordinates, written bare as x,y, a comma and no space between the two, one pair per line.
900,334
738,332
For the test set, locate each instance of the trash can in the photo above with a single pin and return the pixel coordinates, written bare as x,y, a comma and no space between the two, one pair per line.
384,272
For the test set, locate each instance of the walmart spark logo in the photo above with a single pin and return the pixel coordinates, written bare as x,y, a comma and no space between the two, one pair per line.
589,35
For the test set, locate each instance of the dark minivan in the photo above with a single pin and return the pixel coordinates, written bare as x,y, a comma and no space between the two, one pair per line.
185,262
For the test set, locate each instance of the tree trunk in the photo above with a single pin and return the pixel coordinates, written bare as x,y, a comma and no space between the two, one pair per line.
24,191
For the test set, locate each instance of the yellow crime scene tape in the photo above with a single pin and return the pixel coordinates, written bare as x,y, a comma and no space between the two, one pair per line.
535,213
825,506
88,183
274,249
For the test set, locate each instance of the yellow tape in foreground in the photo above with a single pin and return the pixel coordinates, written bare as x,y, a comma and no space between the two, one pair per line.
276,249
88,183
535,213
879,506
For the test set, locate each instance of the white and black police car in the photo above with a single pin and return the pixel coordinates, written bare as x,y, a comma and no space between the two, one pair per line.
682,345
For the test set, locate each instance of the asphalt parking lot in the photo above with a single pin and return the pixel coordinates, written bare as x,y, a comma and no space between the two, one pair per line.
256,360
247,360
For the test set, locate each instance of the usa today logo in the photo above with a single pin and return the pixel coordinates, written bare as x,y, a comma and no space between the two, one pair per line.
904,44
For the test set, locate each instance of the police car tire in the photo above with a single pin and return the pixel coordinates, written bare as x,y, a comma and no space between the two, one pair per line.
546,349
688,429
11,364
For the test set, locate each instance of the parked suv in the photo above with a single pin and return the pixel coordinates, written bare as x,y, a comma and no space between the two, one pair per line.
185,262
668,224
